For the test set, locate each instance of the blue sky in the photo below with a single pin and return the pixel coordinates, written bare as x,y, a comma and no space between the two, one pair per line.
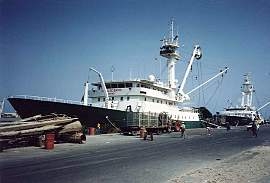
46,47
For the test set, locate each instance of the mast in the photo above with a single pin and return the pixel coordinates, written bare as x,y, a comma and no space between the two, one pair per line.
247,91
169,50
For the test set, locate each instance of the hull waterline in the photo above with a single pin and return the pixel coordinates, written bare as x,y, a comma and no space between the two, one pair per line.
88,115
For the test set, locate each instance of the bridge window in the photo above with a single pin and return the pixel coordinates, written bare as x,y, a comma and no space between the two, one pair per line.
114,85
108,85
121,85
128,85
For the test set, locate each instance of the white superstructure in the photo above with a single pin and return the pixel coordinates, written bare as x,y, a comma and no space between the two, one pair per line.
141,96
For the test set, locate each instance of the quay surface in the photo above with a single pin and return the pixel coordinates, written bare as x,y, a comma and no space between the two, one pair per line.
114,158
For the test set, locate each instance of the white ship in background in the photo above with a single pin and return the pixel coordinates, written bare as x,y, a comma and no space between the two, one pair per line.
246,113
130,103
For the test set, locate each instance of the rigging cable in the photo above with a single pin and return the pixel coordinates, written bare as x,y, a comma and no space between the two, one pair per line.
257,99
203,96
215,91
198,82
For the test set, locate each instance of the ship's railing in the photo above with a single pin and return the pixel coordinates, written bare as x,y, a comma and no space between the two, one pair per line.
47,99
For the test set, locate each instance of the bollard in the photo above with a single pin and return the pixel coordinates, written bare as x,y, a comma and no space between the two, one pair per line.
49,141
91,131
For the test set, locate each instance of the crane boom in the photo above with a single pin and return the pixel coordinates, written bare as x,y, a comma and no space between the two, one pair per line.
103,87
196,54
220,73
263,106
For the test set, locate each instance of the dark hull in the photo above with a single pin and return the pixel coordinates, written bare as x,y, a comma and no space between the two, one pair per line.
236,120
88,115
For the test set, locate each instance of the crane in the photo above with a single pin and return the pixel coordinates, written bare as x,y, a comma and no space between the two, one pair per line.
103,87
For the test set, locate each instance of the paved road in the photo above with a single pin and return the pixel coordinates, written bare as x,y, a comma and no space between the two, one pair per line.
117,158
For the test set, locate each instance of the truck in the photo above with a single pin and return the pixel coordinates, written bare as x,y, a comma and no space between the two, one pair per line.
151,122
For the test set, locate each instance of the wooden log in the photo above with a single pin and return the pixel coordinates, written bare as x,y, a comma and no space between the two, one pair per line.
36,124
40,118
71,127
33,118
32,131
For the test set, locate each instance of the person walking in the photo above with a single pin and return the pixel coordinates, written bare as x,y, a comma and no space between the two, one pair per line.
228,126
98,128
144,133
208,130
183,130
254,129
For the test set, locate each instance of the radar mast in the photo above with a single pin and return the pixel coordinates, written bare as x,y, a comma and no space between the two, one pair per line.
169,50
247,90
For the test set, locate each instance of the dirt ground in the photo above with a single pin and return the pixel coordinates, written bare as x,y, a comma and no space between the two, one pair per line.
250,166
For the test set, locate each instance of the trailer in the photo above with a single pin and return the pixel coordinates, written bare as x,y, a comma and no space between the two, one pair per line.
151,122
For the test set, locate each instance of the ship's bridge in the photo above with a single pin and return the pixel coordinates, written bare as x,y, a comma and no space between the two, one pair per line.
168,50
136,90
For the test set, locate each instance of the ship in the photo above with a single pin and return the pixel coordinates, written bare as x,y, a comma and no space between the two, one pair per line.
246,113
122,104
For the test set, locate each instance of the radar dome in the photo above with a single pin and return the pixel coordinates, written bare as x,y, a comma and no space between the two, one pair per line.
151,78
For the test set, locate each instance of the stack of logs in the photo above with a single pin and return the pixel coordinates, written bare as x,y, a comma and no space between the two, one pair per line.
30,131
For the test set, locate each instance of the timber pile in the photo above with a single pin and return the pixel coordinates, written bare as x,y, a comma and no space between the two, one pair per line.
32,129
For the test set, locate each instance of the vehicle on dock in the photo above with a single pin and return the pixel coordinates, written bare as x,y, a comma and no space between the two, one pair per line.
151,122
